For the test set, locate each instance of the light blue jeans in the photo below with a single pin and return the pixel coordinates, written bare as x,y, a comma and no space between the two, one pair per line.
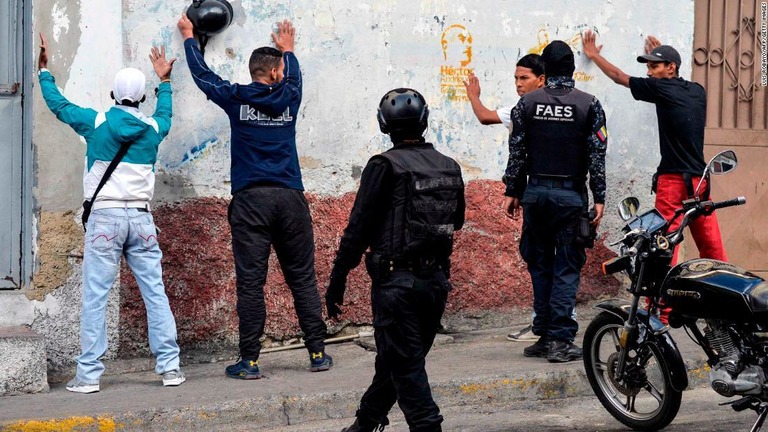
111,233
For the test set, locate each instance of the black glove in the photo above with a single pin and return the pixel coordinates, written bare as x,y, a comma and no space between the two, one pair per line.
334,295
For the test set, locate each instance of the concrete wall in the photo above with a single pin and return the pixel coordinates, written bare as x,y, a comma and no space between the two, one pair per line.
351,53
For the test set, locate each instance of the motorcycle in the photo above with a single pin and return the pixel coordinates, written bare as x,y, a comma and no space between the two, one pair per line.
632,362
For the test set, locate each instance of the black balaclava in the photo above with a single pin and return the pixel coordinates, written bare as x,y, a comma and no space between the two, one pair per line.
558,60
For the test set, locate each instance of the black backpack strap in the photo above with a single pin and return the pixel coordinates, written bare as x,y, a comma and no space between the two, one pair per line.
87,204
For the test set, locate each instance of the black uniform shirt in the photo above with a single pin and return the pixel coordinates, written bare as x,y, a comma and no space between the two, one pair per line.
681,108
371,203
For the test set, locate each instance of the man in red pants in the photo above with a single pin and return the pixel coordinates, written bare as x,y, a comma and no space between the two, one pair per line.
681,111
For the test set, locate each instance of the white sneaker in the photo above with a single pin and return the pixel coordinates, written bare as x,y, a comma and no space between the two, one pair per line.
173,378
78,385
523,335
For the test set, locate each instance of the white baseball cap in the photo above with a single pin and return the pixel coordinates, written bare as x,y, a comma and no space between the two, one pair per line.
130,84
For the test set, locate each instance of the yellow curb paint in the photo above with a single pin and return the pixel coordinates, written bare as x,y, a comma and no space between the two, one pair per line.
207,415
700,372
476,388
100,424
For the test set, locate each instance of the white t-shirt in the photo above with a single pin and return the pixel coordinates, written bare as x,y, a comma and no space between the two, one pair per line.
505,115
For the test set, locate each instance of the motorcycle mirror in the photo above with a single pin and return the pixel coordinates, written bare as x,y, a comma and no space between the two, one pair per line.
722,163
628,208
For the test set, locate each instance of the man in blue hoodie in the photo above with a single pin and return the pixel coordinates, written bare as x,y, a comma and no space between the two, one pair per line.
268,207
120,222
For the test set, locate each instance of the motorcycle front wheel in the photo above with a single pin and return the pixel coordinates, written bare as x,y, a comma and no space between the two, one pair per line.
643,398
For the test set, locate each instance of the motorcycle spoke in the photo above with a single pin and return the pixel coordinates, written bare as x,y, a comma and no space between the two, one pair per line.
630,405
653,391
601,366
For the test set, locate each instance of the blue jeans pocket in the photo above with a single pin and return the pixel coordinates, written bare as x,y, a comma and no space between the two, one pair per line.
147,233
102,234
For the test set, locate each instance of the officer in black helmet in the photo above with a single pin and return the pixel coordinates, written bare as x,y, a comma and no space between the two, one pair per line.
559,137
410,202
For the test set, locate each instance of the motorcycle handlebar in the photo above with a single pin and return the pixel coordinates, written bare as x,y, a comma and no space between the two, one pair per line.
730,203
635,248
702,208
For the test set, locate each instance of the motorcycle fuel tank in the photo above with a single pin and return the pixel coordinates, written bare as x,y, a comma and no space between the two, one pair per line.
705,288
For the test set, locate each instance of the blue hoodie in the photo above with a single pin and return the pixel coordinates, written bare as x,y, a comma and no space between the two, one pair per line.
262,119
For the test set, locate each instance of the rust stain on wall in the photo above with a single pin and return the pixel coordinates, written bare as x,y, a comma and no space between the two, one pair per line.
198,268
60,237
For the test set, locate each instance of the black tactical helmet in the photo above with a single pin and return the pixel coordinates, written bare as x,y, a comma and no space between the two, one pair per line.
210,17
403,110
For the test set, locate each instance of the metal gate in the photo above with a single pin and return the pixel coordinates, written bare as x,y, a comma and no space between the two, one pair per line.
14,125
729,61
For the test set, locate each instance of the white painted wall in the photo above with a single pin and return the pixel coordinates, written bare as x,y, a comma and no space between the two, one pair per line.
352,52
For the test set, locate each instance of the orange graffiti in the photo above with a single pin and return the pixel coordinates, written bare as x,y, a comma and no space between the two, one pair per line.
456,43
542,40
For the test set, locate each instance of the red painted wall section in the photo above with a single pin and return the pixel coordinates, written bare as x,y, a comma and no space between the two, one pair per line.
488,272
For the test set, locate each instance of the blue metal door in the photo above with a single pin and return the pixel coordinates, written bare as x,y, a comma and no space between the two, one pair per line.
12,139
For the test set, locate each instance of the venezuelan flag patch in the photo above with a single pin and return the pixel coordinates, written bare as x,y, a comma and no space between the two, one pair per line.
602,134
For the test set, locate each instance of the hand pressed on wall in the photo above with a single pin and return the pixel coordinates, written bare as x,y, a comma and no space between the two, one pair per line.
285,36
185,26
650,43
42,60
162,66
472,84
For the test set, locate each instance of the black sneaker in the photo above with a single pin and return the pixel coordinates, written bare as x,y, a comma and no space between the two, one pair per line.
366,426
319,362
539,349
244,369
562,351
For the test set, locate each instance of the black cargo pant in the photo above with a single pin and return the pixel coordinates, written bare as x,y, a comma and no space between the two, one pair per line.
406,315
261,217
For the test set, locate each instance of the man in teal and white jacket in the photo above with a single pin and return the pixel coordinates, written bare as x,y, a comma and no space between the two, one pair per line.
120,222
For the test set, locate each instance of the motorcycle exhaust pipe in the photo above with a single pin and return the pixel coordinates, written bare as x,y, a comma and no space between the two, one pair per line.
722,382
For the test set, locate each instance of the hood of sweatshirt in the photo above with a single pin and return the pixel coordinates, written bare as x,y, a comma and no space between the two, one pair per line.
124,126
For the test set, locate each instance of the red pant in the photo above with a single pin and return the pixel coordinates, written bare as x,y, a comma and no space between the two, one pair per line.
670,193
671,190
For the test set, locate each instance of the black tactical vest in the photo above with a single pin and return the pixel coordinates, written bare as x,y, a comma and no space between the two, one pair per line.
421,216
556,131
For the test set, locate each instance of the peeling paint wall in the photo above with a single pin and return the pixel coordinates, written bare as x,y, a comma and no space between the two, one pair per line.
351,53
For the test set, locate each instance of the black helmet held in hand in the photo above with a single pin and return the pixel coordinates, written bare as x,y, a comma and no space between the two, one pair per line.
403,110
210,17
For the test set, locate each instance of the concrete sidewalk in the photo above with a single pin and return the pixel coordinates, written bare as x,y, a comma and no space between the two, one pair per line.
465,368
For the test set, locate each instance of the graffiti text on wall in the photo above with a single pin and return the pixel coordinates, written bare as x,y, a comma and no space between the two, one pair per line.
574,42
457,56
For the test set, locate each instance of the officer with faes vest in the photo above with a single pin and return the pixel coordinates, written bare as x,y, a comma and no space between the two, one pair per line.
410,201
558,137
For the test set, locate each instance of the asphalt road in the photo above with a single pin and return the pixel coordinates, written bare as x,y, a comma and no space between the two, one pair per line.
699,412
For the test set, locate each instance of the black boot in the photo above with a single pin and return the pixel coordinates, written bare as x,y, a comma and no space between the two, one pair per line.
563,351
539,349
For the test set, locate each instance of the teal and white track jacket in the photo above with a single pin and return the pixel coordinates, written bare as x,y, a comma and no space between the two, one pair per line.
133,181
